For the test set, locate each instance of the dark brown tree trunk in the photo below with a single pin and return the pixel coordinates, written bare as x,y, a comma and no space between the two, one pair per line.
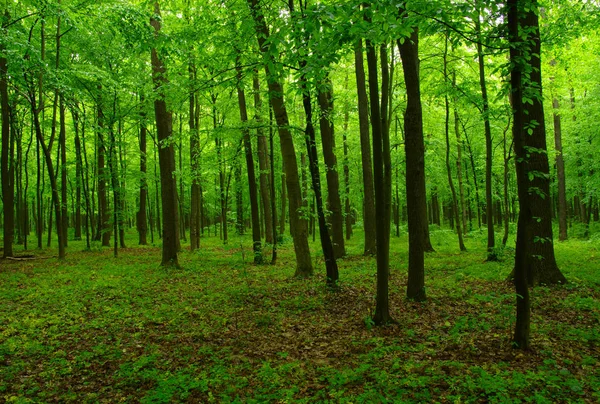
455,206
347,211
263,162
416,198
7,166
489,215
369,220
560,174
298,225
62,140
103,214
382,309
166,154
141,218
256,244
524,227
507,157
195,213
331,172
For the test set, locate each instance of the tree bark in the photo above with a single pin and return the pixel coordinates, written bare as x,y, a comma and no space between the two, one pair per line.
369,221
416,198
382,308
560,174
141,217
7,166
256,244
325,100
298,225
195,214
166,153
263,162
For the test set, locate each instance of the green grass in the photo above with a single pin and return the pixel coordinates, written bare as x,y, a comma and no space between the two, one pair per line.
101,329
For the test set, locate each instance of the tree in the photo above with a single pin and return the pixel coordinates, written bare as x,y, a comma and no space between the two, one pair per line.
6,159
298,225
365,150
415,167
166,153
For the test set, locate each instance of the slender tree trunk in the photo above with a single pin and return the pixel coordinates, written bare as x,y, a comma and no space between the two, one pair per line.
78,177
369,219
455,207
272,190
560,174
103,213
63,169
263,162
256,244
475,182
347,210
507,157
489,215
166,152
325,100
416,198
298,225
195,214
382,309
141,218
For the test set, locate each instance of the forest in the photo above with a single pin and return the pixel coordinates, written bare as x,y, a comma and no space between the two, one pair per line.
300,201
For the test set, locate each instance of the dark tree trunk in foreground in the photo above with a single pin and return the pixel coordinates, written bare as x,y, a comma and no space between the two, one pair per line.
333,182
524,225
166,154
382,307
7,168
256,245
416,198
369,220
298,225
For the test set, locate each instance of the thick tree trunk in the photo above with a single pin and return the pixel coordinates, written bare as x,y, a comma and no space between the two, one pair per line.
7,166
524,226
166,153
263,162
369,221
331,174
298,225
256,244
416,198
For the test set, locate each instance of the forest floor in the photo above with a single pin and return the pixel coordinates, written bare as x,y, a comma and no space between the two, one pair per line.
100,329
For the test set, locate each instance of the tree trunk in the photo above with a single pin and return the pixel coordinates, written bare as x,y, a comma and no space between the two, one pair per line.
331,172
382,310
524,226
103,215
455,206
489,215
369,220
62,139
141,218
298,225
256,244
195,206
416,198
347,211
263,162
166,153
7,166
560,174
